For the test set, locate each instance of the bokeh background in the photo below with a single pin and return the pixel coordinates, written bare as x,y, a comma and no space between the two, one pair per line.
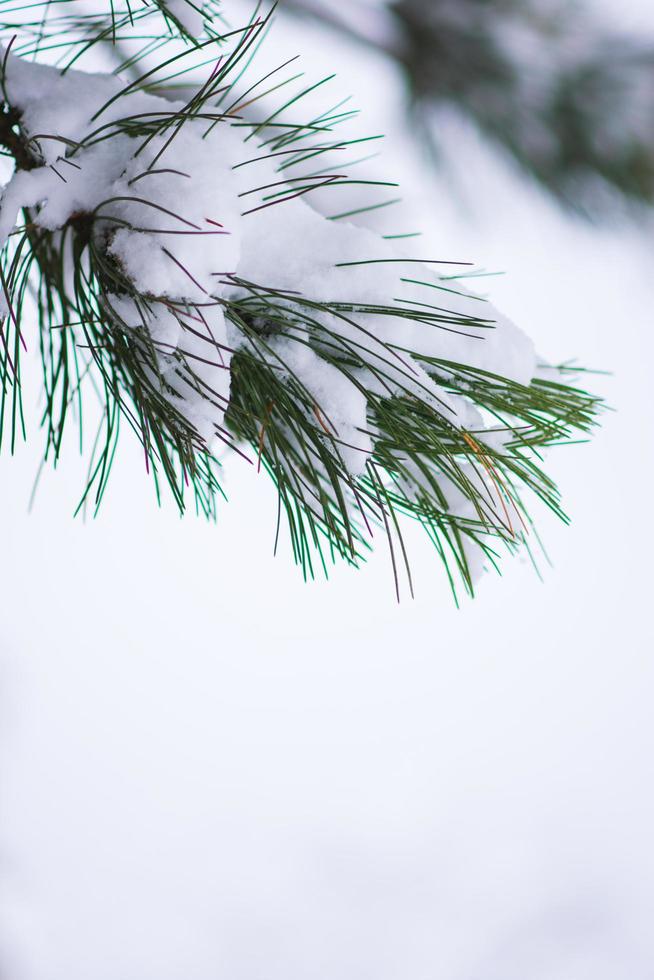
210,769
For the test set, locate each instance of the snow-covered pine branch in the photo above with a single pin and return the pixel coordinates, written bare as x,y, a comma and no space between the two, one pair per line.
169,249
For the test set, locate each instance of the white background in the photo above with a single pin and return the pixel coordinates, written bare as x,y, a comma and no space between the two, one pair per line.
211,770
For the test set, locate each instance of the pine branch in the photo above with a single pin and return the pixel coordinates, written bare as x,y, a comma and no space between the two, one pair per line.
205,306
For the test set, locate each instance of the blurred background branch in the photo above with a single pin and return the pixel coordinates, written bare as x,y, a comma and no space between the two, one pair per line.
568,98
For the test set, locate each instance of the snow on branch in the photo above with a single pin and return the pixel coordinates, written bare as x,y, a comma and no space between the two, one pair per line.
169,247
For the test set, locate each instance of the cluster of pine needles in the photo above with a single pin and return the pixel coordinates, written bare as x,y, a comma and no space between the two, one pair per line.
61,281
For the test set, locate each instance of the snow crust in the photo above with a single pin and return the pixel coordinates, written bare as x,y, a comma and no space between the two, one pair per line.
188,14
170,211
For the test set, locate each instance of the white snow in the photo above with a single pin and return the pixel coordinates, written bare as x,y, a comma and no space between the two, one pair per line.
172,210
45,96
340,407
188,14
